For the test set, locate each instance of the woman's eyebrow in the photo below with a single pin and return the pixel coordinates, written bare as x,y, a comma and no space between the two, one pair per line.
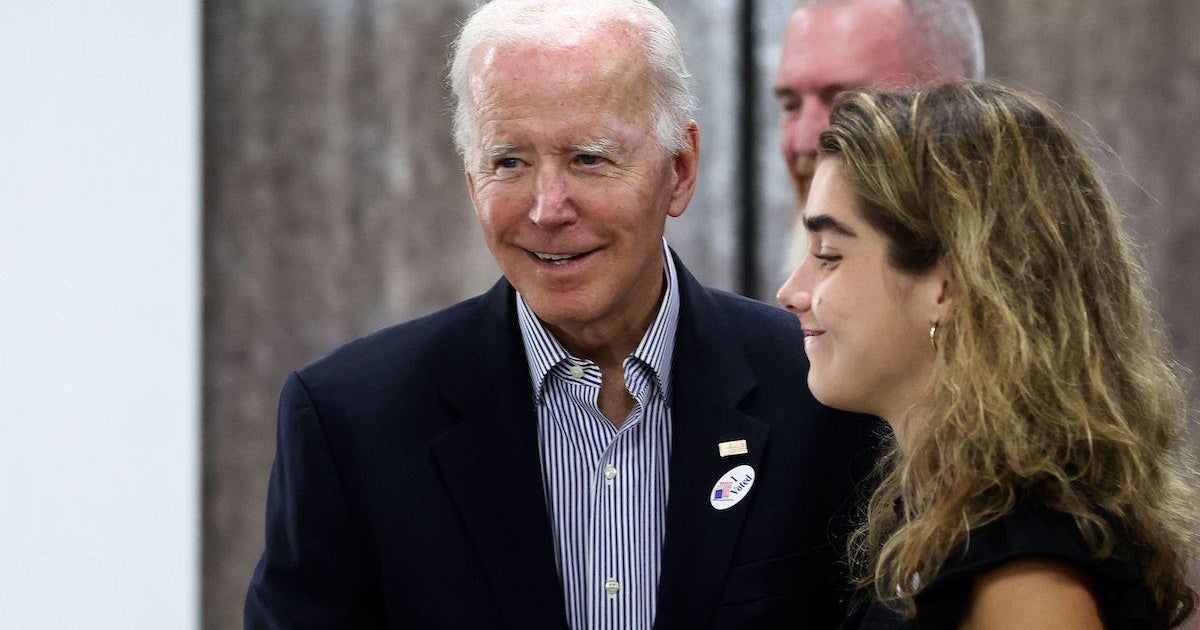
824,223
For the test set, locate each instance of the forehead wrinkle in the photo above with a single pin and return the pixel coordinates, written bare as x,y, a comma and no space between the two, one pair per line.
607,83
602,61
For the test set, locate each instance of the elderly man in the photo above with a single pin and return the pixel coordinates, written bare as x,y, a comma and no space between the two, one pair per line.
597,442
835,45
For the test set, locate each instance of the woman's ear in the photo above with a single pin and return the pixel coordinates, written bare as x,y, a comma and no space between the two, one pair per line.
941,291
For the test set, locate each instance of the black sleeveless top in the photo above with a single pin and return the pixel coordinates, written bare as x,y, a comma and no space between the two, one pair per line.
1124,600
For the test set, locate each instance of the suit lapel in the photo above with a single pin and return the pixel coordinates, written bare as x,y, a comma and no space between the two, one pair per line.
490,463
712,376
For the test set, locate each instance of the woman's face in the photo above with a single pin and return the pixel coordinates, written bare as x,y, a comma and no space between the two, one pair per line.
866,325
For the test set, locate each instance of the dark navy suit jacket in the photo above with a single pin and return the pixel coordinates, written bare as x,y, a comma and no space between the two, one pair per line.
407,490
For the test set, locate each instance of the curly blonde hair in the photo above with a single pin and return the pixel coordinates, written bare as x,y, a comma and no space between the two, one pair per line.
1052,382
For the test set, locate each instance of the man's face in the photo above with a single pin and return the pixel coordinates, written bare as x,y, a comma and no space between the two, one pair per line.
831,48
571,189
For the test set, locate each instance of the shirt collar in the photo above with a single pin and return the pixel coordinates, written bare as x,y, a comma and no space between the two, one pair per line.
656,349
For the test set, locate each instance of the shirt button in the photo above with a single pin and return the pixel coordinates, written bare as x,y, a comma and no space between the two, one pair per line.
612,587
576,371
610,472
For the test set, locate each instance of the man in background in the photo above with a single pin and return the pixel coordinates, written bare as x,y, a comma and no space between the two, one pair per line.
835,45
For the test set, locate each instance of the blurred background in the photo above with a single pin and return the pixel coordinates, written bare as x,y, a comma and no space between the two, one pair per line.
197,198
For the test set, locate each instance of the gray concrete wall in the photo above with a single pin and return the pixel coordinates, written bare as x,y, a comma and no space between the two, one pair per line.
1128,74
335,205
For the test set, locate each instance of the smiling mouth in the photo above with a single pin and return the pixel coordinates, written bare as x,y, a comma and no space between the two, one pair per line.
811,335
559,259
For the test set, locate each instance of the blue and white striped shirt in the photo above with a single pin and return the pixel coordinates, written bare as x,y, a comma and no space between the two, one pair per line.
606,487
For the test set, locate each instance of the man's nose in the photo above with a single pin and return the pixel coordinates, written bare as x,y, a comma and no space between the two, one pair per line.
795,295
552,204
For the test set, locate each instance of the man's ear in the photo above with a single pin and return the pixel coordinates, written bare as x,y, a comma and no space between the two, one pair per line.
470,184
685,164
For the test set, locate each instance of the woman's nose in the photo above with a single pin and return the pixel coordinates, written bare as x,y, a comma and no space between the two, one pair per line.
794,295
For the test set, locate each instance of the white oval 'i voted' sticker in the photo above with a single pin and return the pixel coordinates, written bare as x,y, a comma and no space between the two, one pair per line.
732,487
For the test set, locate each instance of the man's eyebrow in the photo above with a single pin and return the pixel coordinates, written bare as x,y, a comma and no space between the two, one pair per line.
825,223
599,146
497,150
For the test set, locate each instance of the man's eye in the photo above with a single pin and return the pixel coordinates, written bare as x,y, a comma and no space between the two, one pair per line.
589,160
508,163
789,105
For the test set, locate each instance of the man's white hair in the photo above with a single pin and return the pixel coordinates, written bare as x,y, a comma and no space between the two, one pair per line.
550,23
950,30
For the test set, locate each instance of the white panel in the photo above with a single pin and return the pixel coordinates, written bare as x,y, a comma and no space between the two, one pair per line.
99,314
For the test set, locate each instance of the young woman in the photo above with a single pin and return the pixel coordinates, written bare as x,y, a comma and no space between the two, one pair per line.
968,281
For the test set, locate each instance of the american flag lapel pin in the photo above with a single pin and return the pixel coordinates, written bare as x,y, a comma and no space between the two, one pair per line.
731,448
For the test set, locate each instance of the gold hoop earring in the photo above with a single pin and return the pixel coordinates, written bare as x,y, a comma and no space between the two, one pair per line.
933,335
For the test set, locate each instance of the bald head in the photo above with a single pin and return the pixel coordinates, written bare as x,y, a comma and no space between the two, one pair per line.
947,30
835,45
